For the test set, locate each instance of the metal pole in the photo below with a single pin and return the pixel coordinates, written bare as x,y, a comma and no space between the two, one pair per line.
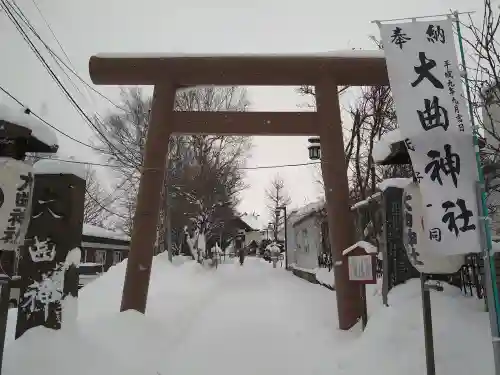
5,284
286,241
492,297
276,219
168,224
364,311
427,315
489,273
385,251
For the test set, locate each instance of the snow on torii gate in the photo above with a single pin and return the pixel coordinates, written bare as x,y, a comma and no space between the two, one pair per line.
170,72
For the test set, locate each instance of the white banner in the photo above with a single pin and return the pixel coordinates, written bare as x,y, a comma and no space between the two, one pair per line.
416,239
432,115
16,187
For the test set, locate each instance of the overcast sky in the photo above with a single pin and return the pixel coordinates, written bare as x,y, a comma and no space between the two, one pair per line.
88,27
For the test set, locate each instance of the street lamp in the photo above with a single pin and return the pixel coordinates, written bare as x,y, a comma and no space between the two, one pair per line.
277,211
314,148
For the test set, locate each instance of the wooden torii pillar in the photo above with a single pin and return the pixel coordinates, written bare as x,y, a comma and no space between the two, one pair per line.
171,72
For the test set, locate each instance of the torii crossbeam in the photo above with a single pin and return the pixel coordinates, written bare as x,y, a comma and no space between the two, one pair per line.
171,72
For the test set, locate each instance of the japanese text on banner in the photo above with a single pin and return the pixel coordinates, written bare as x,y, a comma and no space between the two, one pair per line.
16,183
432,115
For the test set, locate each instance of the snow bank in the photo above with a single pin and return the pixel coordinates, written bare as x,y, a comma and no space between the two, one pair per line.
366,246
398,182
366,201
92,230
393,341
325,277
105,341
103,296
203,321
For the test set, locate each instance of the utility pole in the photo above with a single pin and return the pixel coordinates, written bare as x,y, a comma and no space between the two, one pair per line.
168,223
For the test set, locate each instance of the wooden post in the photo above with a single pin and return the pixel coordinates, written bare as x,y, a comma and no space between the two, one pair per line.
241,70
362,269
136,286
341,228
51,251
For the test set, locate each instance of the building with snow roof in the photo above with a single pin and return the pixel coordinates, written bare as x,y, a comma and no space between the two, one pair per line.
103,247
307,236
250,223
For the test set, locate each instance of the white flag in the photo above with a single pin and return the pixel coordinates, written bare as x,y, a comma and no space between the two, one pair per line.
432,115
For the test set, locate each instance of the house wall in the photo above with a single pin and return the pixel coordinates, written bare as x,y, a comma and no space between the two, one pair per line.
291,245
307,238
94,254
105,251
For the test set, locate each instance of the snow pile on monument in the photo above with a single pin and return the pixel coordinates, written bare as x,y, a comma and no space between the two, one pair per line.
382,148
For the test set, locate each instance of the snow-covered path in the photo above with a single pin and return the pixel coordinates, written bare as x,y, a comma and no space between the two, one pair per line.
249,320
259,321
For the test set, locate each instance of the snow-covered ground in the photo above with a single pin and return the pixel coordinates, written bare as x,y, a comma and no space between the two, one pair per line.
250,320
324,276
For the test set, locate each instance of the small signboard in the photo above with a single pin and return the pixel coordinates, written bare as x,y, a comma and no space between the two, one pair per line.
362,268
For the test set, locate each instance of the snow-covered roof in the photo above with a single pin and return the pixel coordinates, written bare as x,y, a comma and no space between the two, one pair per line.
52,166
92,230
382,148
366,201
308,209
327,54
366,246
399,182
38,129
252,221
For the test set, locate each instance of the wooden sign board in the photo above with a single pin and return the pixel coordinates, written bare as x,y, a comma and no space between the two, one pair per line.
362,268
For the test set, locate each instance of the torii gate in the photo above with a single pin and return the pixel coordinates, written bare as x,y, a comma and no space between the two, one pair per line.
170,72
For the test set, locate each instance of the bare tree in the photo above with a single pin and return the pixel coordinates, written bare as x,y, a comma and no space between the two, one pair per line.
277,196
97,200
202,171
371,116
483,76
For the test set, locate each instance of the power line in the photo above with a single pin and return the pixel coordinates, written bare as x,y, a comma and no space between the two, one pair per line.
20,13
25,36
51,31
56,57
23,18
95,200
242,168
47,123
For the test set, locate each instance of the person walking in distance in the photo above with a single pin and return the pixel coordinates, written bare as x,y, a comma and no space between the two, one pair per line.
275,253
242,256
240,240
